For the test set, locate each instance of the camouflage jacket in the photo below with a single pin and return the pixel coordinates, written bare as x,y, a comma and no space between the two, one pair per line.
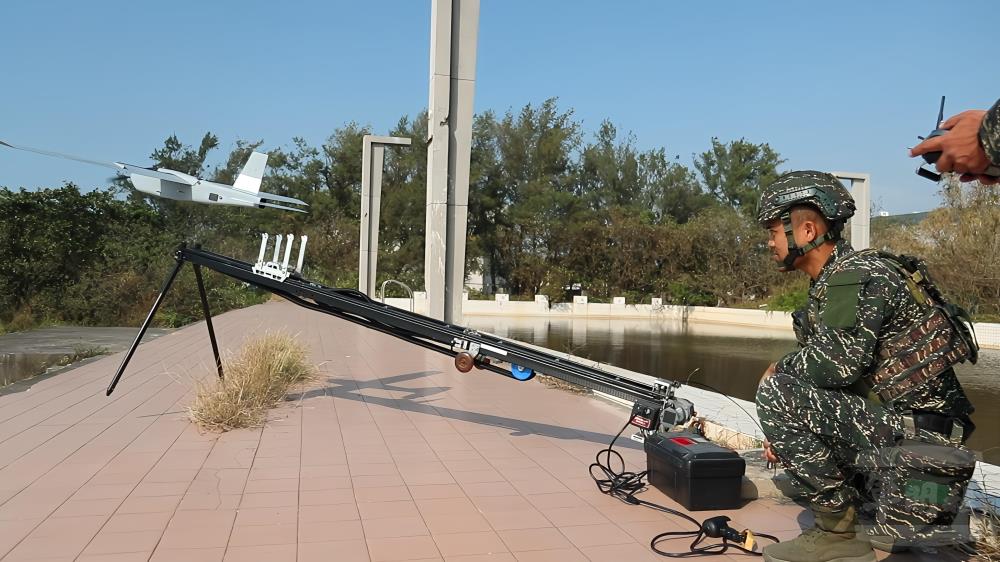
838,345
989,134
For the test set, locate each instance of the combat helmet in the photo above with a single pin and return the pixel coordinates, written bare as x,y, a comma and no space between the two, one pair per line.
806,187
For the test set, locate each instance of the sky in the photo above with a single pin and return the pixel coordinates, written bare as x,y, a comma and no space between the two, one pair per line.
843,86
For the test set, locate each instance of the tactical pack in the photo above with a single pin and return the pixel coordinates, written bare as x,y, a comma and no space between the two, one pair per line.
942,337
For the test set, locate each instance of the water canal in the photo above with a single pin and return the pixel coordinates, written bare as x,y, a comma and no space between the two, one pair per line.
730,359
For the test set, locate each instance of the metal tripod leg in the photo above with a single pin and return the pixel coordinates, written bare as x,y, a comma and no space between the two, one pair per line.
208,318
145,325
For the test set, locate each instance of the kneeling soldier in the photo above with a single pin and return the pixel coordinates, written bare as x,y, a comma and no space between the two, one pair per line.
867,415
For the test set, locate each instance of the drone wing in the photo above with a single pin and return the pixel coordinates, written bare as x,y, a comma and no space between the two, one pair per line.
280,198
282,207
174,177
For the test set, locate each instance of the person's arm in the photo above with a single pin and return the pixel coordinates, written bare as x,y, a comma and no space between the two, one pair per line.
843,346
989,134
970,146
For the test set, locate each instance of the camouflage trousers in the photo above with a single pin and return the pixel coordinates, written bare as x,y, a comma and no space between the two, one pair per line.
842,450
817,434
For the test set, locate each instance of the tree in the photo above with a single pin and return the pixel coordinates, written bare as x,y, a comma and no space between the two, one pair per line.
735,173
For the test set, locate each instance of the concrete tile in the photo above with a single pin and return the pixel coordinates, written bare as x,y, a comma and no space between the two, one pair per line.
120,557
273,485
159,489
341,551
331,512
570,516
603,534
381,510
464,544
213,502
127,522
199,529
401,548
325,531
266,516
394,527
256,535
517,519
270,499
563,555
385,494
269,553
633,551
549,538
131,541
474,489
325,483
149,504
493,557
326,497
188,555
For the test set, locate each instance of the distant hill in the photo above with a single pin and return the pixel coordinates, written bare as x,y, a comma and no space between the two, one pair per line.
906,218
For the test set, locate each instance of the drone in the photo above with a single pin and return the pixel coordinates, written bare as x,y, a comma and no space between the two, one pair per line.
171,184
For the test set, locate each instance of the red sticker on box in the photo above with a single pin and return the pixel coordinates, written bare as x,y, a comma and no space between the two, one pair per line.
683,441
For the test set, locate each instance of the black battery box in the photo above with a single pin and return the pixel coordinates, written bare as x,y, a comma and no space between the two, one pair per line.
695,472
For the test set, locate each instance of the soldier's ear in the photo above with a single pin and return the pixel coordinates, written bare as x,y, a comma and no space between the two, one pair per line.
809,229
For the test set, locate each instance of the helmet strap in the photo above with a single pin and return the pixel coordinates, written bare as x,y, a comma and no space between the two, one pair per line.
794,251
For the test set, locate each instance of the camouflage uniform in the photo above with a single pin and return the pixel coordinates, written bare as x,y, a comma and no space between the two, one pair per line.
817,410
989,134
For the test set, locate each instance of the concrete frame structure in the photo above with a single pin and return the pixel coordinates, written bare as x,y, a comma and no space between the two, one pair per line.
454,35
372,159
861,221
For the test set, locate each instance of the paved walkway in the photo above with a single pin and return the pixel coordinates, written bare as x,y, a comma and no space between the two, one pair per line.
391,455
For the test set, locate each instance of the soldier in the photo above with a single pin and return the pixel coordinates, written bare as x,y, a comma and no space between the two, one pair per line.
972,144
870,394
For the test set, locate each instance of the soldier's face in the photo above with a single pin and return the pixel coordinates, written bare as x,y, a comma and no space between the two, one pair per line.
777,241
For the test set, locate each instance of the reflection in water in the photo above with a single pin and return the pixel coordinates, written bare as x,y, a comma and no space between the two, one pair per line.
730,358
20,366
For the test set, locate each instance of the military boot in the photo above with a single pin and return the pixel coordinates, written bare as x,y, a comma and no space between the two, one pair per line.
831,540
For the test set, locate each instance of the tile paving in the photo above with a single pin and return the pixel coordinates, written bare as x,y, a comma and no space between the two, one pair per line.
391,455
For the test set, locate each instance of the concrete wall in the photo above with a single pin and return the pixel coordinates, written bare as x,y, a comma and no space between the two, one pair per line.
987,334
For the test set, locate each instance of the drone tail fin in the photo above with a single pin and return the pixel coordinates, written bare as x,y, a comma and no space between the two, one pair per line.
252,173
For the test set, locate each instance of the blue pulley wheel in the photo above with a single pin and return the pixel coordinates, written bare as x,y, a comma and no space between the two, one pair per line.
521,373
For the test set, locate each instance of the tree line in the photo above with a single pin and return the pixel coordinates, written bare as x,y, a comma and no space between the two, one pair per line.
550,207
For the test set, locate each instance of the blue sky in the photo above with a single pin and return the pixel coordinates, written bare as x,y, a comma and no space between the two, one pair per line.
833,86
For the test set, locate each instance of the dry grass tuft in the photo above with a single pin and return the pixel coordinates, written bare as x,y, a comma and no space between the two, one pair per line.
553,382
988,534
256,380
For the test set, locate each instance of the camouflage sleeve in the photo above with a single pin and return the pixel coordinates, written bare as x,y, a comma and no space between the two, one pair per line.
989,134
843,346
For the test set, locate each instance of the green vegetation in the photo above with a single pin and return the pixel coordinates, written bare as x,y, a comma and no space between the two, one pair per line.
550,207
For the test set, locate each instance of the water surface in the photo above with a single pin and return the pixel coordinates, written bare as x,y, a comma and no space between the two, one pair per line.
730,359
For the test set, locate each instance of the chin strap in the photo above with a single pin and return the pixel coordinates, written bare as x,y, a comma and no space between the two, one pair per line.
795,251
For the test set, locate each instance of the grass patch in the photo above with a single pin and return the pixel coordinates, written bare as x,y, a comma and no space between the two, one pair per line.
553,382
987,532
255,380
81,352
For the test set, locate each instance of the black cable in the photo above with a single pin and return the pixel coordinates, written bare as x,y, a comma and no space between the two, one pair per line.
624,485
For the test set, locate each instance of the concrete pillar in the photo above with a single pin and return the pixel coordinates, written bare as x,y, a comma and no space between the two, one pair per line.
861,221
372,159
454,32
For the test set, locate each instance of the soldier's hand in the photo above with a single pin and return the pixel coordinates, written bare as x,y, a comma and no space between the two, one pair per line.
959,147
769,455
